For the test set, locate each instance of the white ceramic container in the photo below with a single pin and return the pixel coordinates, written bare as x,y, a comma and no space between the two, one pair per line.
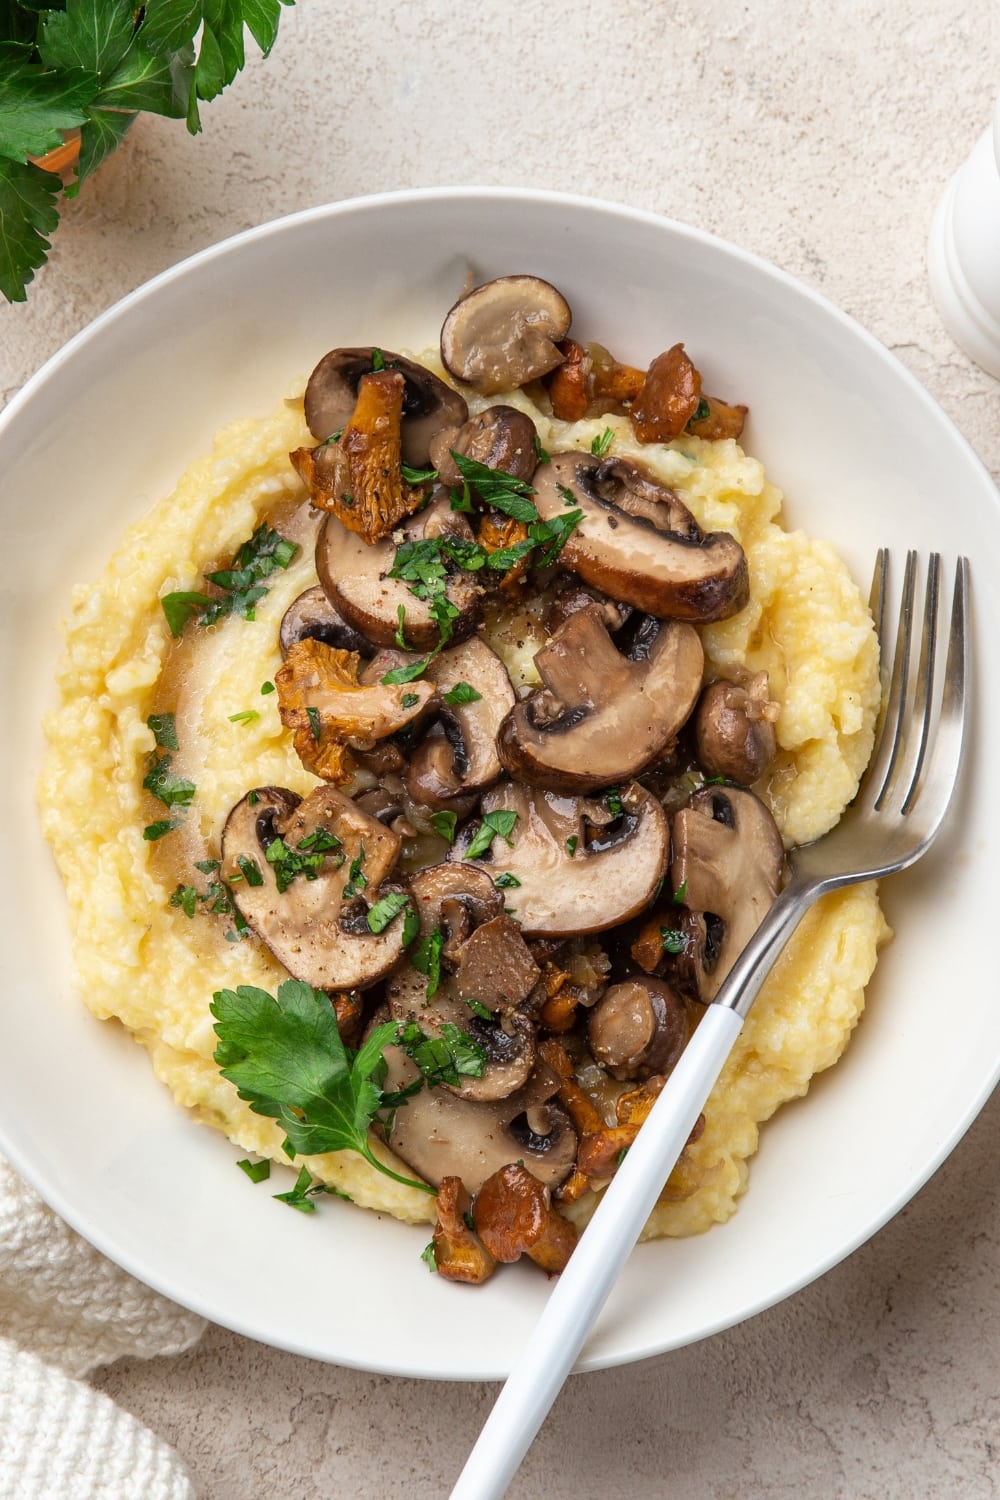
964,252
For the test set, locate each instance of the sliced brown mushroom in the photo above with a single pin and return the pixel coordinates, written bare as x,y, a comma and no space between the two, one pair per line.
495,972
355,578
311,616
638,543
570,865
441,1135
602,717
727,868
734,729
504,333
428,403
287,861
639,1027
459,757
501,437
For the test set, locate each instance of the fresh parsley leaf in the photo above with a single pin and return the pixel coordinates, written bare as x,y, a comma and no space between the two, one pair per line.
673,940
285,1056
409,699
540,452
411,926
164,728
428,1257
38,103
384,910
499,824
400,636
320,841
265,688
613,801
250,870
571,844
378,360
28,216
445,824
93,35
479,1009
257,1171
506,881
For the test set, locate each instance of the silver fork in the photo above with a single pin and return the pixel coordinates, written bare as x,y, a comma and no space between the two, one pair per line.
896,814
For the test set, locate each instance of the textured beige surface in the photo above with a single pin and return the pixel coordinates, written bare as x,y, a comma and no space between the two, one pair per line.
819,137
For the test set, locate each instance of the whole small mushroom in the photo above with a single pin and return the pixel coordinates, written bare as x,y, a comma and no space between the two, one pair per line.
734,729
638,1028
501,437
505,333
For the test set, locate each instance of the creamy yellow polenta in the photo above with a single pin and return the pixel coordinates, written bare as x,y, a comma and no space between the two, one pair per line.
141,959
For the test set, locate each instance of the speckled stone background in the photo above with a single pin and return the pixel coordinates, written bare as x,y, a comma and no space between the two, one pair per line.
819,137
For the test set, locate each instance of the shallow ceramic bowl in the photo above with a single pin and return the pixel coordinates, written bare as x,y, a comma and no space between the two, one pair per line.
864,457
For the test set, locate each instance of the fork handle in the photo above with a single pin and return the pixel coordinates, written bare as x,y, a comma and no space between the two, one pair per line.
582,1289
624,1206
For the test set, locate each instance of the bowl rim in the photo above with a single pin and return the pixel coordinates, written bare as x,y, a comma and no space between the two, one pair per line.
34,1173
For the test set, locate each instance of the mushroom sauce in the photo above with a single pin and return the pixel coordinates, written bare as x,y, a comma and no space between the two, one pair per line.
554,728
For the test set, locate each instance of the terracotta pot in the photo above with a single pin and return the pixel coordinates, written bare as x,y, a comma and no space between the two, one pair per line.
63,159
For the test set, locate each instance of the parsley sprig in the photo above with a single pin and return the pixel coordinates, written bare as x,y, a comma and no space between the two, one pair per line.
285,1055
240,586
93,65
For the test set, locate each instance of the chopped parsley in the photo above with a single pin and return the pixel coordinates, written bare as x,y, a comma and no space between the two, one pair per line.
306,1187
506,881
479,1009
246,716
409,700
265,688
257,1171
164,728
571,844
356,878
600,445
315,723
426,958
417,476
701,413
288,863
445,1058
673,940
496,488
540,452
428,1257
499,824
240,586
386,909
159,829
171,790
462,692
445,823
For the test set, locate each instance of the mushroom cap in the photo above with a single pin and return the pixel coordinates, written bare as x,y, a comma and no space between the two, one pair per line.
501,437
302,925
462,758
611,874
734,729
504,333
354,578
428,403
601,718
441,1135
638,549
639,1027
728,863
312,615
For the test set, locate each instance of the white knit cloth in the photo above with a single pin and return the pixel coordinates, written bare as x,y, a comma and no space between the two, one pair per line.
65,1310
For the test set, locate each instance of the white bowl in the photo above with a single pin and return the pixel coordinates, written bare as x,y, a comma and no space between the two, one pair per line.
864,456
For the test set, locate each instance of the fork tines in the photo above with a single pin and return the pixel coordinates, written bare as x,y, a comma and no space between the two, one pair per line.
921,727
